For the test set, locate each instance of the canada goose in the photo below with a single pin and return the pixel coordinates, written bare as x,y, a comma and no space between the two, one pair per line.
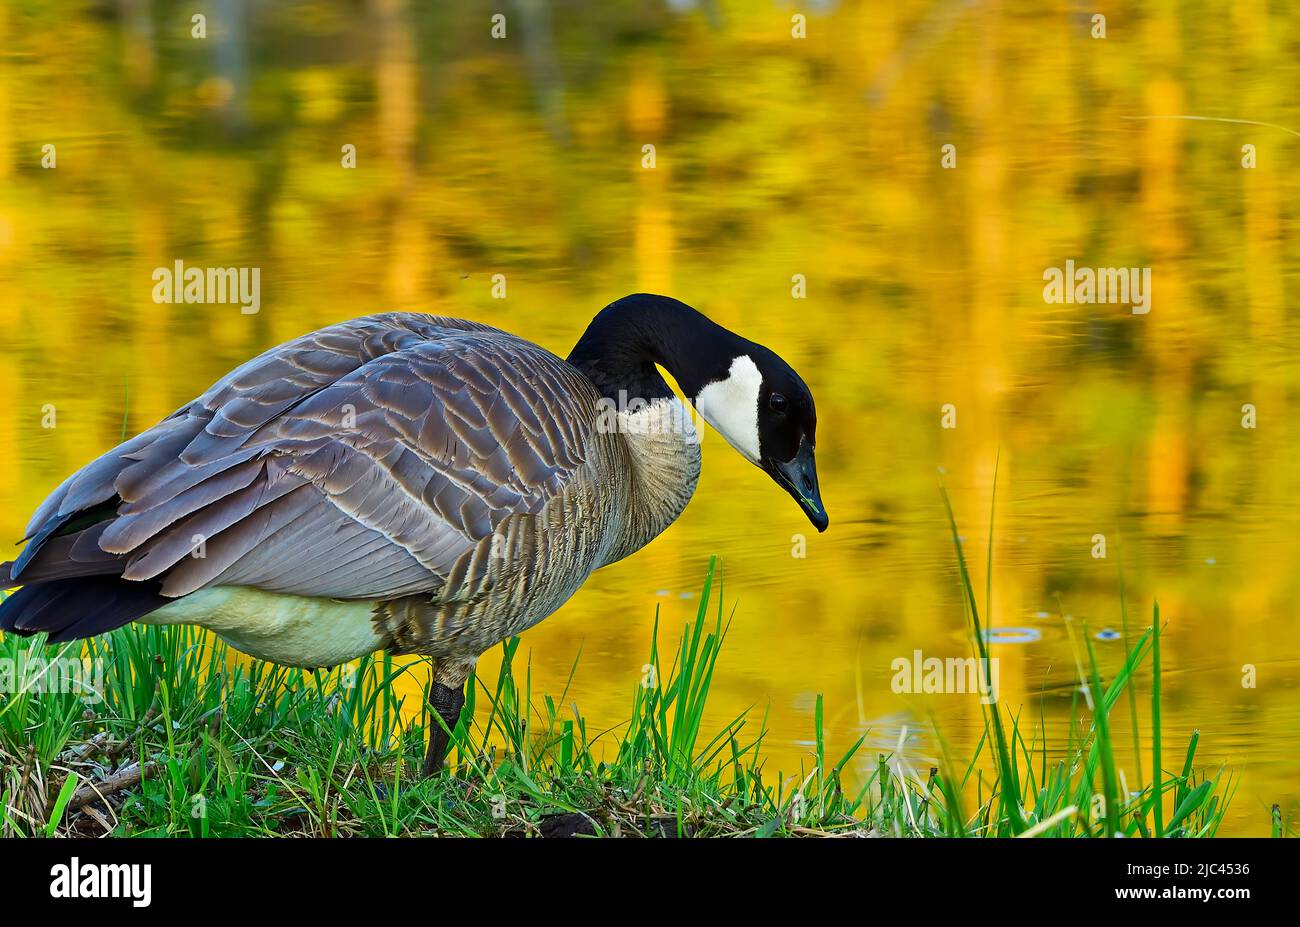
404,481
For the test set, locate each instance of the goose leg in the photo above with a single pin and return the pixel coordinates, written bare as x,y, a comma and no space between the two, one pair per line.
446,702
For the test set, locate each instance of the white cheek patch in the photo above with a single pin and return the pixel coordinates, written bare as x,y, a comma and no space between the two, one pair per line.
731,406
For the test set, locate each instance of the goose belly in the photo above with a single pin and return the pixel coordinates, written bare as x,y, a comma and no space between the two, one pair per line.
288,629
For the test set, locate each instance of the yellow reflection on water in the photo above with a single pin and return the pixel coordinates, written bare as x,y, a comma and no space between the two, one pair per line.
774,157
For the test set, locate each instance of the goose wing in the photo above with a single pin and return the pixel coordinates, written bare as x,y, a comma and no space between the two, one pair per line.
360,461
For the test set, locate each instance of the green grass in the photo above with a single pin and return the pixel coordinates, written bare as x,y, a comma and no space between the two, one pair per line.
231,748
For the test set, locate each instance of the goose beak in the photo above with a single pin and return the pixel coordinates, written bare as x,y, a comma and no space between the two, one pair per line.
798,477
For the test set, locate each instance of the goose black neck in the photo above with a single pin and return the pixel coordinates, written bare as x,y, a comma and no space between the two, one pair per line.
620,348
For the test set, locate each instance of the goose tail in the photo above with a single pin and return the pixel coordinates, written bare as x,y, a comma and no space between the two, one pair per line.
76,607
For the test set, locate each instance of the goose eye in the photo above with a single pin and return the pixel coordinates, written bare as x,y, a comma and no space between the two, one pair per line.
777,402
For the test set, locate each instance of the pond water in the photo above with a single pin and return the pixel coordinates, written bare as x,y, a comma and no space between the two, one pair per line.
798,195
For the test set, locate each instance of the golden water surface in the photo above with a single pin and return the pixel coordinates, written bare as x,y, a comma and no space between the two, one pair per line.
797,195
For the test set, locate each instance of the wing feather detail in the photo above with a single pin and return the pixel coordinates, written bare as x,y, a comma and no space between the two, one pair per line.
360,461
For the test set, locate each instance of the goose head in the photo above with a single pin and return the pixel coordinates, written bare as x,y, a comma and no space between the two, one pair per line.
750,396
765,411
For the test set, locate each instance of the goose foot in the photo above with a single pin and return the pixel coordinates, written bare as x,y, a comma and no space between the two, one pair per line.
446,702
